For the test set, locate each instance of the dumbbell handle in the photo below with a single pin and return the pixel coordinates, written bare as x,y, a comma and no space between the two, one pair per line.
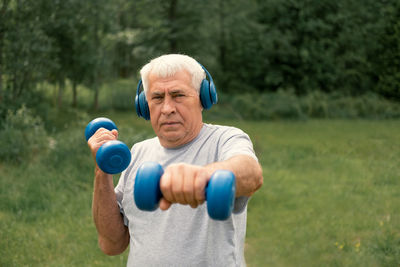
98,123
220,190
113,156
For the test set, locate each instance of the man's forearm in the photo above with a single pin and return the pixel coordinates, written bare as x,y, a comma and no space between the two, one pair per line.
113,234
247,170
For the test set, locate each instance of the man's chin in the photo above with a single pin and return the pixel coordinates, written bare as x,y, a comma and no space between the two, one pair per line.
170,142
172,138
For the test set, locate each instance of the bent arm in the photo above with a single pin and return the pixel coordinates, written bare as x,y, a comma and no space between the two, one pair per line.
113,235
247,170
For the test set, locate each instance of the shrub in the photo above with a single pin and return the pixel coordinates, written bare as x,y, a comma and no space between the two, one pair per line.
316,104
119,95
22,135
280,105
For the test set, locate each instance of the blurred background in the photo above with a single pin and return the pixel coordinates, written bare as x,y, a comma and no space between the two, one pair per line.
315,83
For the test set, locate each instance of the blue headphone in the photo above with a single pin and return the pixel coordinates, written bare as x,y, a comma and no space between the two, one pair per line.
208,96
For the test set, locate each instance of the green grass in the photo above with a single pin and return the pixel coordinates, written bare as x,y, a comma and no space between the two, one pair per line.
331,197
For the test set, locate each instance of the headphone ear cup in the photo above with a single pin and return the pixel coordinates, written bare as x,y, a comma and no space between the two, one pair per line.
137,106
205,96
143,107
213,93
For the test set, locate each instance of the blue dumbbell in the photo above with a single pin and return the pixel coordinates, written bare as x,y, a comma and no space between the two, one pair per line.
220,190
114,156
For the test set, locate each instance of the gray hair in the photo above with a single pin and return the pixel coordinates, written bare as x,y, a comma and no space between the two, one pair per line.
169,65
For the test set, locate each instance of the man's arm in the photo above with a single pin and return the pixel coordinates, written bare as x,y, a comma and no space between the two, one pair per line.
113,235
247,170
185,184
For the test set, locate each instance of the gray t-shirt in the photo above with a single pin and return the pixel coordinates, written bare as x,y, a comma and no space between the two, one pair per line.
183,236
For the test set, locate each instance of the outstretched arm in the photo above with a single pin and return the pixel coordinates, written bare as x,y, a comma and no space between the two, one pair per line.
247,170
185,184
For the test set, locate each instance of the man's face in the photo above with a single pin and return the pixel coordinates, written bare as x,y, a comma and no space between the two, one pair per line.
175,109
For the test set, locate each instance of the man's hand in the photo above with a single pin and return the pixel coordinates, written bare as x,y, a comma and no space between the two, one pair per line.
100,137
185,184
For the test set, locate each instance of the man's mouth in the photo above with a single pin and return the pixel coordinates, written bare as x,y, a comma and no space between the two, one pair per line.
169,123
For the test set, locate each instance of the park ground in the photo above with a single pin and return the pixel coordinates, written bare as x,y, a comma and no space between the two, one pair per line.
330,196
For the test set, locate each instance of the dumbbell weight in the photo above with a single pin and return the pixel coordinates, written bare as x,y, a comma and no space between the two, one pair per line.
113,156
220,190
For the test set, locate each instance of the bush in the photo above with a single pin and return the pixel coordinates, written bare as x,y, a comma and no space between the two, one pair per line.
287,105
70,148
280,105
119,95
22,135
368,106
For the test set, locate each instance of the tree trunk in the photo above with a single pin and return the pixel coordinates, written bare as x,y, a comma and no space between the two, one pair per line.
173,46
96,73
222,42
1,62
96,96
3,10
14,82
61,87
74,94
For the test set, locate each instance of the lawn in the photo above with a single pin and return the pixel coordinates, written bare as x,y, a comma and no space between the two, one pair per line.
331,197
331,194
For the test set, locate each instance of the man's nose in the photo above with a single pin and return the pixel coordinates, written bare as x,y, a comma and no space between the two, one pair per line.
168,106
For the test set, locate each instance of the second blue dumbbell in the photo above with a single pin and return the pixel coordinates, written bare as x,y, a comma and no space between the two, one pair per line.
220,190
113,156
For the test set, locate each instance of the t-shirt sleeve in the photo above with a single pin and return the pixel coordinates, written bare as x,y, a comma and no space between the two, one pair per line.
236,142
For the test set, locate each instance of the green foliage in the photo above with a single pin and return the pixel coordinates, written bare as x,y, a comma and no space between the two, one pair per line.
267,106
388,66
318,45
119,95
33,100
344,48
67,143
52,41
22,136
286,105
372,106
270,46
26,50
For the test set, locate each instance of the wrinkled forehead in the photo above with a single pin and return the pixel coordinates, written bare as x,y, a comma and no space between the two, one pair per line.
179,80
174,72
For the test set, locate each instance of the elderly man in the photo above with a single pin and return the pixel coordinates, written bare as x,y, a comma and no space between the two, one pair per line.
180,232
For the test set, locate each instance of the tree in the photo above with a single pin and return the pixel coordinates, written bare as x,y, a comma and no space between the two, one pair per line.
79,30
25,49
388,62
4,13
